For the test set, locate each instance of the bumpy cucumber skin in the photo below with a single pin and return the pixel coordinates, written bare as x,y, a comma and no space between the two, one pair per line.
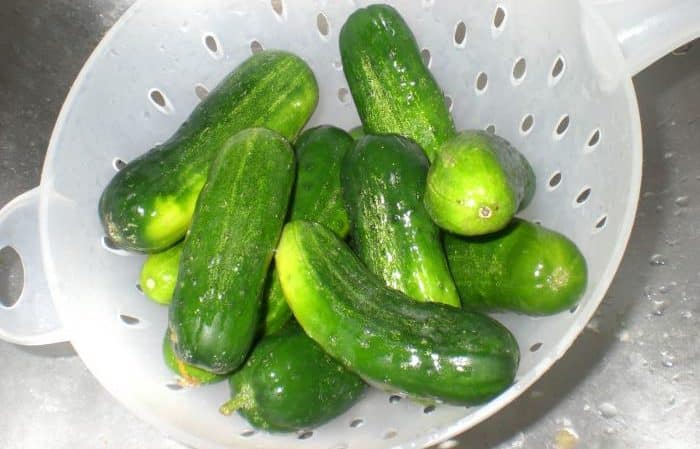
317,197
393,90
226,255
477,183
289,383
383,179
148,205
188,375
159,274
428,350
525,268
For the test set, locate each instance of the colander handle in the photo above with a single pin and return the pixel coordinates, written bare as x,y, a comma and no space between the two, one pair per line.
32,319
648,29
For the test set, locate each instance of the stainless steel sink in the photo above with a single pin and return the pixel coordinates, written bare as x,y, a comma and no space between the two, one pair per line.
630,380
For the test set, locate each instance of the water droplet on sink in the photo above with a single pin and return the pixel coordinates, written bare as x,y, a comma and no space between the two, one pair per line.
607,410
687,314
657,260
682,201
659,308
667,359
609,430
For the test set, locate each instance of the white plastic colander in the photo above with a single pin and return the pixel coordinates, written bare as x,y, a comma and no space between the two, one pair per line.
553,77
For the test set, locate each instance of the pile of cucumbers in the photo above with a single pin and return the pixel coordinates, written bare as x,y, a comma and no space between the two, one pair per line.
303,266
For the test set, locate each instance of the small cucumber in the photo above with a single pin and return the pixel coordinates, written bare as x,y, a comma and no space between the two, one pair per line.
227,252
148,205
288,383
383,179
393,90
428,350
159,274
188,375
525,268
477,183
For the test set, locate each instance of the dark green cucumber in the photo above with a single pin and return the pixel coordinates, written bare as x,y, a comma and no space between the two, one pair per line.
227,252
148,205
383,180
188,375
317,197
393,90
159,274
525,268
428,350
477,183
289,383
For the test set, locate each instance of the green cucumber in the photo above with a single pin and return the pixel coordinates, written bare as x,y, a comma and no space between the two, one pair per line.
159,274
383,180
477,183
393,90
357,132
148,205
289,383
188,375
317,197
227,252
428,350
525,268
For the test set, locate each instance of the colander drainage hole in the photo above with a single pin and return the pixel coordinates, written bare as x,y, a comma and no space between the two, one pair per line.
460,34
389,434
583,196
322,25
482,81
557,70
160,101
174,386
526,124
277,6
11,276
139,288
562,126
426,57
118,164
573,309
248,433
212,44
344,95
255,46
357,422
449,103
201,91
491,129
554,180
594,140
600,224
499,19
394,398
429,409
519,71
535,347
129,320
305,435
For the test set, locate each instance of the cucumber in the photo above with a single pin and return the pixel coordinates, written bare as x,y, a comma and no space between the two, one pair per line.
288,383
317,197
383,179
525,268
188,375
159,274
227,252
357,132
393,90
477,183
148,205
428,350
